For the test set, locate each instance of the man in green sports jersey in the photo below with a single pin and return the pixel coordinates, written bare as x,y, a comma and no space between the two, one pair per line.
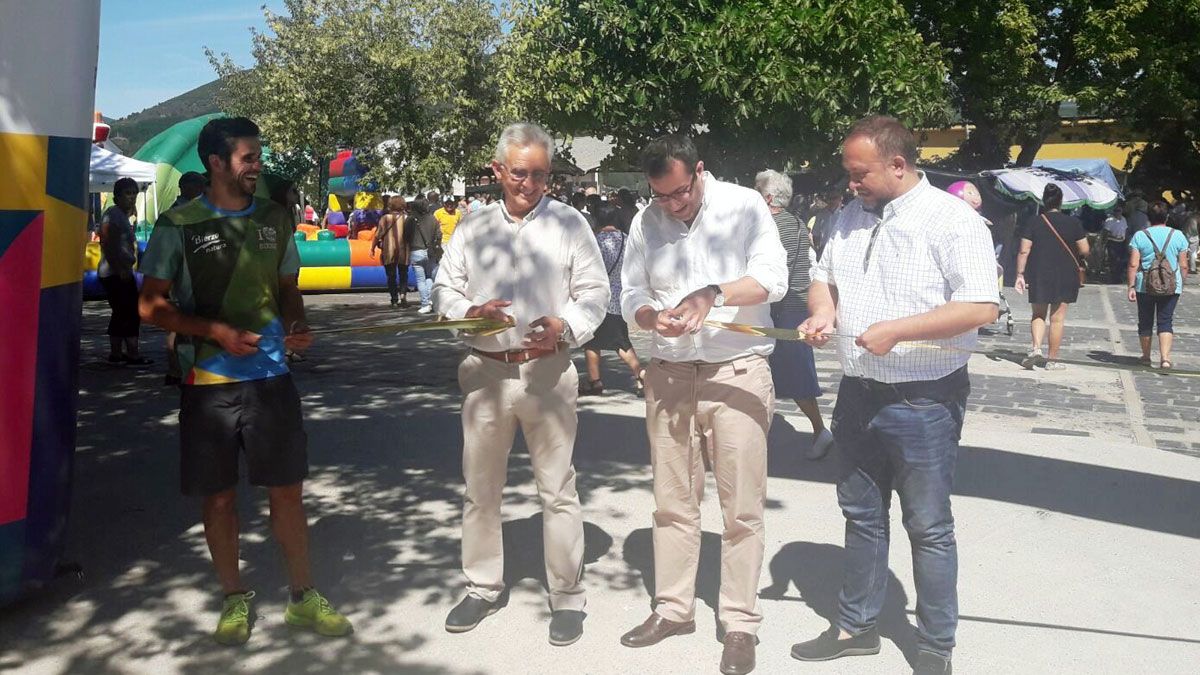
231,263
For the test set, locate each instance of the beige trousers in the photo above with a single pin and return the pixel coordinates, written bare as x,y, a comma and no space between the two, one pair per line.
722,411
540,396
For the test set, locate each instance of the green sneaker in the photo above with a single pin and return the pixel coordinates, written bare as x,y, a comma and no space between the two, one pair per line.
314,611
233,628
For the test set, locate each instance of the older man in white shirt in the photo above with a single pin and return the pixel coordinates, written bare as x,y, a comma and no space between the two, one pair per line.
705,249
907,277
533,261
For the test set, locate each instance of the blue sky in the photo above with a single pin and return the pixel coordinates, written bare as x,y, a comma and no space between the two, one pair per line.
152,51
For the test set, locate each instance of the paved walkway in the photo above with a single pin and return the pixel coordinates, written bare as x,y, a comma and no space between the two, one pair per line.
1076,503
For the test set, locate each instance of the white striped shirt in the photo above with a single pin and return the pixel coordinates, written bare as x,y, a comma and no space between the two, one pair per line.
928,248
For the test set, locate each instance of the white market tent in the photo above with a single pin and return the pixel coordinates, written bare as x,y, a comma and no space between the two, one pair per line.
107,167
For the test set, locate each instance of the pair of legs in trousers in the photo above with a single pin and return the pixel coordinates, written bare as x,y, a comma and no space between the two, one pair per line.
903,438
425,270
724,410
540,396
397,282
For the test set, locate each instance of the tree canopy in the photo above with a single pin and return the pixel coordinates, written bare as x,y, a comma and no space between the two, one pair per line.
1013,64
758,82
356,73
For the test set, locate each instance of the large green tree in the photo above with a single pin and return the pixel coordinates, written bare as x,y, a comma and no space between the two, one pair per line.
759,82
1155,89
405,82
1012,64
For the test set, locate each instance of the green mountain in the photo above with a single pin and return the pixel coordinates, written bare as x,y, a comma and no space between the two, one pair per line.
132,131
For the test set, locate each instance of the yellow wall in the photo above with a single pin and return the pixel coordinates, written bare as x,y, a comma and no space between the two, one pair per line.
1075,139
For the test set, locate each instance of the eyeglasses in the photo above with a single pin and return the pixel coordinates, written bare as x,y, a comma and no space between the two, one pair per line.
522,175
678,195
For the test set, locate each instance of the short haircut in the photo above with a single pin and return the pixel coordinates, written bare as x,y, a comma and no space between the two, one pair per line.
433,197
889,135
1052,197
776,184
395,203
658,155
626,198
522,135
192,178
1158,212
578,199
124,184
594,202
608,214
220,135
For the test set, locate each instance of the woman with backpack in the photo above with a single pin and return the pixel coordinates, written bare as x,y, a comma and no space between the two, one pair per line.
1157,270
613,333
1052,244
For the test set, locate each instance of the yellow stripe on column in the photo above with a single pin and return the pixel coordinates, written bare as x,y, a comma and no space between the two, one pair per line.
22,172
324,278
65,230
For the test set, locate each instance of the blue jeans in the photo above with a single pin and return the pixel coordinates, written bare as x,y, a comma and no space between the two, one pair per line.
905,437
425,271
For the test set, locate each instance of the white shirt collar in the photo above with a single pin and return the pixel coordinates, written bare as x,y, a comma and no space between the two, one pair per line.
529,217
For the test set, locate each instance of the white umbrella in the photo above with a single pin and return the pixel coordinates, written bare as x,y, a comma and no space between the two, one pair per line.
1078,189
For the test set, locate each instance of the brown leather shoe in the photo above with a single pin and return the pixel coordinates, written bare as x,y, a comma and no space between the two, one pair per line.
738,657
656,629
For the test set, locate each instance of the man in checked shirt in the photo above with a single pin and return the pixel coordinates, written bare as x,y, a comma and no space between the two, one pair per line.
905,263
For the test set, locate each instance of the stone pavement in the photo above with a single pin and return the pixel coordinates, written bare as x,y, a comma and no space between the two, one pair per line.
1076,501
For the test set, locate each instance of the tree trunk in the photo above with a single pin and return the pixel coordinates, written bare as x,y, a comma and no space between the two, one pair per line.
1031,145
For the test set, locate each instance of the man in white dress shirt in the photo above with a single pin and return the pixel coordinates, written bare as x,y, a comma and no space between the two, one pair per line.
533,261
905,262
705,249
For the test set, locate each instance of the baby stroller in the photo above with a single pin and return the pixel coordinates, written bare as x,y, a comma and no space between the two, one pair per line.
1005,312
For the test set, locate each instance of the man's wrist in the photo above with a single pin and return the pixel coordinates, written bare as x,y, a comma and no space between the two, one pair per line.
565,334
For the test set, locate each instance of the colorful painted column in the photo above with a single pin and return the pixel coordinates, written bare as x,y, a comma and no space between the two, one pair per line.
47,91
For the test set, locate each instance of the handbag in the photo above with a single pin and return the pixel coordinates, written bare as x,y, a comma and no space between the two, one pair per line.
1082,269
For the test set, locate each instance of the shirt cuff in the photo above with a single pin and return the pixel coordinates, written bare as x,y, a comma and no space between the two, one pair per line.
577,322
636,301
775,289
454,308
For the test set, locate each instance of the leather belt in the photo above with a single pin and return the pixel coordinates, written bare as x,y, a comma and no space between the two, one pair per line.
516,356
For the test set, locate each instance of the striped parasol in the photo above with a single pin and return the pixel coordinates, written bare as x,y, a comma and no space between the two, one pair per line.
1079,189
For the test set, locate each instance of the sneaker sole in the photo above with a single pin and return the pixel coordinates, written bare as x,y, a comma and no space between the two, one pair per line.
854,651
301,622
231,642
463,629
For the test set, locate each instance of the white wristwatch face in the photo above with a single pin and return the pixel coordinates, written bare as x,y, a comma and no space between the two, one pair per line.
719,301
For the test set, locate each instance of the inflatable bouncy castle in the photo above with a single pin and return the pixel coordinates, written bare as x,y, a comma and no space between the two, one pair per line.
45,145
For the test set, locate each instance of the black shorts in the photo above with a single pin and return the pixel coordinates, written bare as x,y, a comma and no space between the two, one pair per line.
260,419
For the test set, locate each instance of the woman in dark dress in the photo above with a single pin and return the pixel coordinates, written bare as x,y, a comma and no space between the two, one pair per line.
1052,244
613,333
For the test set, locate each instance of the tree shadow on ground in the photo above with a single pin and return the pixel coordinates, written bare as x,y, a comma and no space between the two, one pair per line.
382,413
816,571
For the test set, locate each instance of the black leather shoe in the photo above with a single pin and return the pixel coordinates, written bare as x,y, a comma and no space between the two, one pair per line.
566,627
929,663
827,646
469,613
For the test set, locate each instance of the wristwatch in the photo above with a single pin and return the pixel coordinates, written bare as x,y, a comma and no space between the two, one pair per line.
719,298
567,334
